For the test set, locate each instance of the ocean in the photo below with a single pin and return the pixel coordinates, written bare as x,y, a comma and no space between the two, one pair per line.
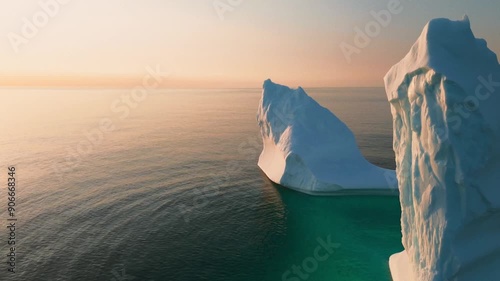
166,187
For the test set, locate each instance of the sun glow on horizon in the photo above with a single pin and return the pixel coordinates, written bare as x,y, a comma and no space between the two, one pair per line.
110,43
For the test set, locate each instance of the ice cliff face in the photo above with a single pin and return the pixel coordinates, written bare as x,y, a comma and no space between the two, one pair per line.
309,149
445,102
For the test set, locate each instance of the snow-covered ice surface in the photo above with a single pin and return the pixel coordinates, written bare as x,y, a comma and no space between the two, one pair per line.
445,102
307,148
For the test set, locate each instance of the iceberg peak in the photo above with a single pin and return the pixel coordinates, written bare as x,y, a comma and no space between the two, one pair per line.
450,49
466,18
268,83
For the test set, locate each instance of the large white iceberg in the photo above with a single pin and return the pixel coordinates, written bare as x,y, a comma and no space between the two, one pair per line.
307,148
445,102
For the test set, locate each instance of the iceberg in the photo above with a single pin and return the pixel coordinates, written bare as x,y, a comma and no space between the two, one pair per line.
445,103
307,148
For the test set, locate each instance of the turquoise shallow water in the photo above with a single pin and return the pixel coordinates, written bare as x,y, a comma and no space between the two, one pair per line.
174,192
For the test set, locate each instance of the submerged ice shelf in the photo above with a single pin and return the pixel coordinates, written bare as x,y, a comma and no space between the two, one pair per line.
445,102
307,148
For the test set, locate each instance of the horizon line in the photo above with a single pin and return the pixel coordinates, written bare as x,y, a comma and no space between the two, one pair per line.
129,81
61,87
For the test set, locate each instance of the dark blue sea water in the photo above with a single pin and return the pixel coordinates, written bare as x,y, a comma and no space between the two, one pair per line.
168,188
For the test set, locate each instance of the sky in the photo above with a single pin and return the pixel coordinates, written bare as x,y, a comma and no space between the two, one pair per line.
218,43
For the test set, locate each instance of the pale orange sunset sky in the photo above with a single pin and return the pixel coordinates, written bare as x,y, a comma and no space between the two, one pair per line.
297,42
